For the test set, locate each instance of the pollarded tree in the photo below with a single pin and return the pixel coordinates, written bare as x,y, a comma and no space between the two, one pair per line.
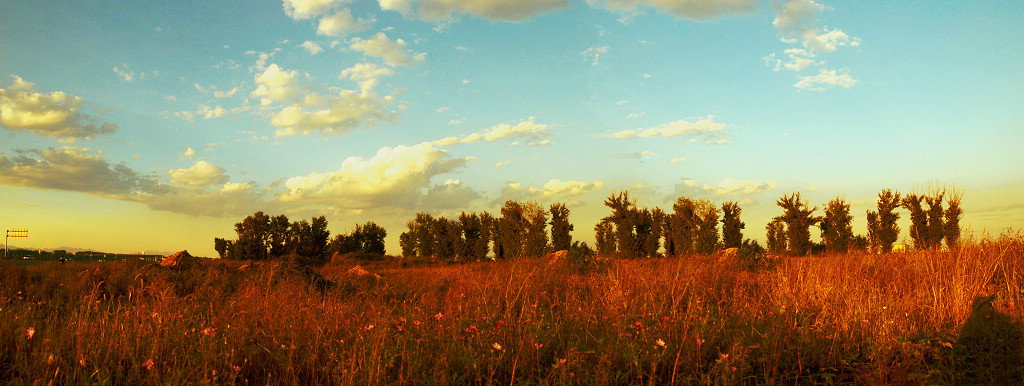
681,228
836,231
887,231
798,218
561,239
706,232
624,217
952,217
604,235
776,236
535,243
918,220
732,227
936,227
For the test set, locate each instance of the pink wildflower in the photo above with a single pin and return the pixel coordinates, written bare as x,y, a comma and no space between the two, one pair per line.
439,316
496,346
29,332
209,331
660,342
148,364
501,323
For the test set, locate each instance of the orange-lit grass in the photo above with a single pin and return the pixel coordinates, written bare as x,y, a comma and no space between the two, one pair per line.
848,318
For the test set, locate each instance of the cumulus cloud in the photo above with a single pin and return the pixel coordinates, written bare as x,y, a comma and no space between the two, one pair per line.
72,169
453,194
311,47
705,128
203,111
552,190
825,79
338,114
690,9
535,134
395,177
341,24
225,94
500,10
57,114
275,84
202,174
202,189
797,23
366,75
307,9
392,52
728,187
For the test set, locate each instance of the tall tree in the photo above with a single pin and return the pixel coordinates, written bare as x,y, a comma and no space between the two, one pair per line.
836,228
474,246
371,238
682,228
798,218
936,227
706,240
511,230
873,230
223,247
561,239
253,237
407,242
536,241
486,234
422,234
732,227
918,220
952,217
624,217
279,234
776,235
447,234
605,237
309,239
887,230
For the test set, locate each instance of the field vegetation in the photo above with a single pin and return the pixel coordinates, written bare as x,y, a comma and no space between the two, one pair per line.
922,317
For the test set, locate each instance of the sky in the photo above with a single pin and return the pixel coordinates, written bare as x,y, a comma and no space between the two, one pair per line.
158,125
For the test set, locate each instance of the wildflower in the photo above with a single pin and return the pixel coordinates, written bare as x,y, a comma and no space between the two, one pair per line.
664,319
501,323
496,346
439,316
660,342
865,321
700,341
236,368
725,356
538,345
368,327
561,361
148,364
416,323
29,332
401,320
734,368
771,313
209,331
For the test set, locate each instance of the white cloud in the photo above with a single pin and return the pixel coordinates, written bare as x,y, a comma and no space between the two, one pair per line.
555,189
275,84
705,128
502,10
307,9
394,177
56,114
72,169
728,187
200,175
311,47
799,59
338,114
392,52
366,75
342,24
188,153
225,94
204,111
825,79
124,73
535,134
593,54
677,160
690,9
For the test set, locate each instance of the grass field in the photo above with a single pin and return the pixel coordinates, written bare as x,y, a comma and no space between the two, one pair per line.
915,318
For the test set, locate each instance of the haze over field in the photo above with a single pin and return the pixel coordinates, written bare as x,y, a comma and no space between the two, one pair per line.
160,125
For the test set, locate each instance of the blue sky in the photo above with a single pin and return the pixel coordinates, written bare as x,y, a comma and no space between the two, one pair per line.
158,125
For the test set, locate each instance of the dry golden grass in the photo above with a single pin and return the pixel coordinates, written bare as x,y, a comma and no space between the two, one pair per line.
920,317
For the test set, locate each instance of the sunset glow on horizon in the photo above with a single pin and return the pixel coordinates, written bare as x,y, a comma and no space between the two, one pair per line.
157,127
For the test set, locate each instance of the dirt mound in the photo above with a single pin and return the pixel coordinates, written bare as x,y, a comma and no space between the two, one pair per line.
181,260
361,272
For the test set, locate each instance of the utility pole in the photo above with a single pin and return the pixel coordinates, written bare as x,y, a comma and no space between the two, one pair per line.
15,233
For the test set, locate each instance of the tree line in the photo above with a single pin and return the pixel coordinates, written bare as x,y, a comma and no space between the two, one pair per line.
629,231
264,237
